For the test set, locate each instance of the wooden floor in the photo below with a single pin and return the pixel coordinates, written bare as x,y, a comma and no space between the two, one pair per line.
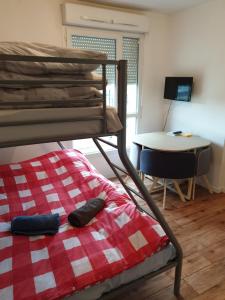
199,226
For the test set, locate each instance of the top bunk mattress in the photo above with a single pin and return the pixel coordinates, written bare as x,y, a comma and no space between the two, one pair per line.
50,267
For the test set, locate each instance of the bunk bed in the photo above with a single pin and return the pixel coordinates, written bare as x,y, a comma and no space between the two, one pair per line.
24,122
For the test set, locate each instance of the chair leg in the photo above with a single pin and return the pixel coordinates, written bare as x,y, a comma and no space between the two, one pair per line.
177,187
155,180
164,193
208,185
193,188
142,176
126,178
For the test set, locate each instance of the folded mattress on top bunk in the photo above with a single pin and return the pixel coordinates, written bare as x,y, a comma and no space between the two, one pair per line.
18,95
49,267
43,68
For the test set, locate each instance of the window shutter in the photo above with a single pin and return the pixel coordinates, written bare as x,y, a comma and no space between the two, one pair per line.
104,45
131,53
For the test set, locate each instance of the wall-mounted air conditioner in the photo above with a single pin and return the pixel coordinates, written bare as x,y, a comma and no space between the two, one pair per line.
98,17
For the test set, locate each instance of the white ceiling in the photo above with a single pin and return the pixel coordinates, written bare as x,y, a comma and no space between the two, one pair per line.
165,6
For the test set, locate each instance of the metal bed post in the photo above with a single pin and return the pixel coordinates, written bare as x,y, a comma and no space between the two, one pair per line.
122,94
104,82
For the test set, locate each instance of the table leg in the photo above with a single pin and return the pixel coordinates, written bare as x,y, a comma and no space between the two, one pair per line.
155,181
190,187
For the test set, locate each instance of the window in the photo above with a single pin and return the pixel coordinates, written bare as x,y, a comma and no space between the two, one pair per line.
131,54
104,45
116,46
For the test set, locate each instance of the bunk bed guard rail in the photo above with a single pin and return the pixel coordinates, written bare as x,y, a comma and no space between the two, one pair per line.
32,83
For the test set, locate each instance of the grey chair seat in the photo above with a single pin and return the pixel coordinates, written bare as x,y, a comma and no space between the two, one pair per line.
134,155
203,159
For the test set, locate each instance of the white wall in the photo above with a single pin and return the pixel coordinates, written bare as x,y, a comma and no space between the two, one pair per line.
31,21
40,21
154,66
197,47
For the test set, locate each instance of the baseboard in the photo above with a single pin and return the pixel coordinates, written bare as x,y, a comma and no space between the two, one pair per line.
217,189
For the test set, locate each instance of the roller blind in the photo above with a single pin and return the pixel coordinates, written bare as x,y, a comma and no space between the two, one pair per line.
108,46
131,54
104,45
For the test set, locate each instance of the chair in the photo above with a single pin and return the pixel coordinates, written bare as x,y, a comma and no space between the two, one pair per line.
134,155
203,158
168,165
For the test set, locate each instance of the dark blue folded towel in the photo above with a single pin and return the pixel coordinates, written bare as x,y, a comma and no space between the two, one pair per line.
35,225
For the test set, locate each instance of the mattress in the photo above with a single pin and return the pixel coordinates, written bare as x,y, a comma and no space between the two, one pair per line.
50,84
151,264
50,267
53,124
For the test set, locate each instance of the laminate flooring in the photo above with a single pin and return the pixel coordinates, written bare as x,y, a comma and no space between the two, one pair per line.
199,226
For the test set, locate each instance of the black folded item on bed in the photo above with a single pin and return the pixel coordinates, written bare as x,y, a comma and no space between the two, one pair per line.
35,225
83,215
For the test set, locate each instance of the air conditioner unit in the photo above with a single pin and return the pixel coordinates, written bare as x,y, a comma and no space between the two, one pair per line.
104,18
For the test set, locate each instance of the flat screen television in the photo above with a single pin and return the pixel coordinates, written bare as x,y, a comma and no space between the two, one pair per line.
178,88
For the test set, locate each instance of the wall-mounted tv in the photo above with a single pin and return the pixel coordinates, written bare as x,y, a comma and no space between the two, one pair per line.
178,88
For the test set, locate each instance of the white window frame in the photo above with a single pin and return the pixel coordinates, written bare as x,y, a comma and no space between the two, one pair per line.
70,30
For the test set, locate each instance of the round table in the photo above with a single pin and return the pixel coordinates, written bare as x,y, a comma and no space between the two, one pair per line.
163,141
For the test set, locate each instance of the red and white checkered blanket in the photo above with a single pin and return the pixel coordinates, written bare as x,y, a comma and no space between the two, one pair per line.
50,267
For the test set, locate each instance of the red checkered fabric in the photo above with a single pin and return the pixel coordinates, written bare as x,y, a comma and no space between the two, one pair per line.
50,267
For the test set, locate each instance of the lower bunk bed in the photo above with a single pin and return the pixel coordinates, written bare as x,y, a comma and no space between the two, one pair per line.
119,245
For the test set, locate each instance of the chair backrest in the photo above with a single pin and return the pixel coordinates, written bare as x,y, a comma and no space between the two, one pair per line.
134,155
171,165
203,158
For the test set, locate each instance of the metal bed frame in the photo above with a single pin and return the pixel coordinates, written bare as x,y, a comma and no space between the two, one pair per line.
98,139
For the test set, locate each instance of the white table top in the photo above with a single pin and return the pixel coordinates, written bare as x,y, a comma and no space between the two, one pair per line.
165,142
